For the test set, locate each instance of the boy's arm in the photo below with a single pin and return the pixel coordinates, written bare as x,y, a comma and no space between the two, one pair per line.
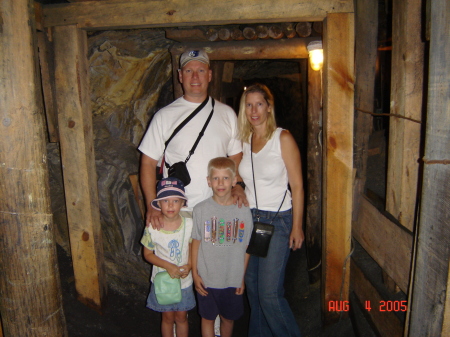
240,291
171,268
198,282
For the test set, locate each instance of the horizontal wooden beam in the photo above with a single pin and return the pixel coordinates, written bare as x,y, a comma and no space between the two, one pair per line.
114,14
251,50
387,243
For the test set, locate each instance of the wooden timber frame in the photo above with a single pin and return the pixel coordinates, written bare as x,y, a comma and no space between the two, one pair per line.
338,79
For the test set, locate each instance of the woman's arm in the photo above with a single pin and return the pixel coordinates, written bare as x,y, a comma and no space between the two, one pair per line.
292,160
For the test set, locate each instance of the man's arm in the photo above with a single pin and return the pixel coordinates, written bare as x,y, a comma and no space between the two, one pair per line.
238,192
147,176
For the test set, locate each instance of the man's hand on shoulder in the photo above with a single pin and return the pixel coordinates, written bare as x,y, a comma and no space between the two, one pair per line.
154,218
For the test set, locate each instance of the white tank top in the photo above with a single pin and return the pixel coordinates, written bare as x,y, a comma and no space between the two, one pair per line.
271,177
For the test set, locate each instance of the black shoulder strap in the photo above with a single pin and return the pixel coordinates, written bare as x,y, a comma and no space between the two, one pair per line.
183,123
200,135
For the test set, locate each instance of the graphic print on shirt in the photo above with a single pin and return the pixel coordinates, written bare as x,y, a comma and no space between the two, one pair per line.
222,232
175,252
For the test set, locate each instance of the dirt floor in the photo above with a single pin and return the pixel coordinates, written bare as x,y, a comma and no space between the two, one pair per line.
128,317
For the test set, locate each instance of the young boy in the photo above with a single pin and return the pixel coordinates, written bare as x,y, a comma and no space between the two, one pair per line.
220,237
168,249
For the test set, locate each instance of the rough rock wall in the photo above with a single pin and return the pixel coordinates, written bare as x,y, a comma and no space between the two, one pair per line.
130,79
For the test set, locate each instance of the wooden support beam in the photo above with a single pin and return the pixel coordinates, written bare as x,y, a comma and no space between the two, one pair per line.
430,314
313,229
338,158
406,100
31,300
177,88
183,35
215,86
48,85
387,243
129,14
251,50
228,69
386,322
77,157
366,17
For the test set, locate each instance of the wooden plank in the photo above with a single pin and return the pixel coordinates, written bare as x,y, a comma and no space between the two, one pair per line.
77,157
406,100
313,226
31,299
177,88
387,243
184,35
338,158
228,69
430,315
251,50
48,85
386,322
446,323
215,86
115,14
366,16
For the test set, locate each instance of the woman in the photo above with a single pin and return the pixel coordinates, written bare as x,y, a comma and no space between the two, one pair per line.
276,162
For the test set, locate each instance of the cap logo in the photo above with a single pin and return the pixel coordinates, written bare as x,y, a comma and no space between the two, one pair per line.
194,53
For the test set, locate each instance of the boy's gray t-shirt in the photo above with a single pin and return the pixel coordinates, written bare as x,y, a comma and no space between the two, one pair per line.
221,265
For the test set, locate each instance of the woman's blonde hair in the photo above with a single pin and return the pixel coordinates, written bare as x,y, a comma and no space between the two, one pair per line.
244,126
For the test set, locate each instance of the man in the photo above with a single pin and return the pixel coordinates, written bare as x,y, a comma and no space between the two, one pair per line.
218,140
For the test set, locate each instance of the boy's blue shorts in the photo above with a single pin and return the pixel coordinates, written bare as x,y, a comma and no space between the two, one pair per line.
222,302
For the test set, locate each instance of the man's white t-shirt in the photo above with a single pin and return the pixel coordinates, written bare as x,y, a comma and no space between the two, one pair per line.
219,140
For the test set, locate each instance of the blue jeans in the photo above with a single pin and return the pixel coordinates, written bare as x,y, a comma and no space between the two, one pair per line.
270,314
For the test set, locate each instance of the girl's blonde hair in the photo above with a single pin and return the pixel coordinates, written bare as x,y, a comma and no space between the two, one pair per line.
222,163
244,126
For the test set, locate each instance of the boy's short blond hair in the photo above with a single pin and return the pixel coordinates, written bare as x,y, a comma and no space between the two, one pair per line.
222,163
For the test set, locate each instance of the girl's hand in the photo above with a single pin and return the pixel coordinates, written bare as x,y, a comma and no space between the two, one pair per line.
174,271
185,270
296,238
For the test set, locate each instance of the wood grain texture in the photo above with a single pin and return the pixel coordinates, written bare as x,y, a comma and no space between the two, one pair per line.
387,243
113,14
30,301
406,100
430,314
338,157
77,157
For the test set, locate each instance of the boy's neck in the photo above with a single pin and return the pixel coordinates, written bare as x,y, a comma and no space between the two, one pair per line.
225,200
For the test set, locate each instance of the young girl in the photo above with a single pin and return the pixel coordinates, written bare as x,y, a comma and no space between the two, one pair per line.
168,249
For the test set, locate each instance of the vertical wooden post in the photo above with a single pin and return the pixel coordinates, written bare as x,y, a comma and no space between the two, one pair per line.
177,88
215,87
77,157
338,159
430,302
366,27
313,230
30,300
406,100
